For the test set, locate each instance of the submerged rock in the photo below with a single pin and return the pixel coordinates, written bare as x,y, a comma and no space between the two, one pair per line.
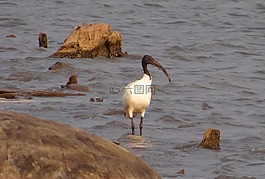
89,41
37,148
58,65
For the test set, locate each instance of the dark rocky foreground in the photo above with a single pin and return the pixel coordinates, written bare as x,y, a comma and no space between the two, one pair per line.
37,148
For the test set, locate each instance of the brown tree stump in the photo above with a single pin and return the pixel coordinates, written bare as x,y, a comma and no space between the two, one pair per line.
72,85
72,80
211,139
91,40
43,40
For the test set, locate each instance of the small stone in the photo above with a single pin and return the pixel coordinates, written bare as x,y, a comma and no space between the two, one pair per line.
99,99
96,99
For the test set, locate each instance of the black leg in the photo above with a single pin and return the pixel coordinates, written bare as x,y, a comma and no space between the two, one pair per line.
141,125
132,126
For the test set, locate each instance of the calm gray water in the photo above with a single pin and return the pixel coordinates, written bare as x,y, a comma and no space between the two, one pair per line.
213,50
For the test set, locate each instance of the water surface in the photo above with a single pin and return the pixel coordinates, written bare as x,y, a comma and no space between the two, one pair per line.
213,50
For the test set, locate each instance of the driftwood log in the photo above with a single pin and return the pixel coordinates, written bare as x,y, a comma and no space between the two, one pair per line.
10,94
11,36
211,139
89,41
52,94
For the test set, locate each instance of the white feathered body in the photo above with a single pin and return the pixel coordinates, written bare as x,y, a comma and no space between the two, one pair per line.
137,97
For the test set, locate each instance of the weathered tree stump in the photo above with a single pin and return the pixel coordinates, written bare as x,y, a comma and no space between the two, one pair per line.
43,40
89,41
211,139
72,80
72,85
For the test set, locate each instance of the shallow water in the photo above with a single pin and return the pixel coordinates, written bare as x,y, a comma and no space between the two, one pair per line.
213,50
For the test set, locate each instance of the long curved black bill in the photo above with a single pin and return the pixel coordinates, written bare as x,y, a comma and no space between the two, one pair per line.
158,65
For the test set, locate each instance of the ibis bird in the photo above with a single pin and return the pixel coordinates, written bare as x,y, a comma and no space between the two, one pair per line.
137,94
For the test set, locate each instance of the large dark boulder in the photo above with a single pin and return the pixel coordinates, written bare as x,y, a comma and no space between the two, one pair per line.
37,148
89,41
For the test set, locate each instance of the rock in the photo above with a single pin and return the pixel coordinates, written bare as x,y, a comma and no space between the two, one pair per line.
37,148
58,65
89,41
211,139
43,40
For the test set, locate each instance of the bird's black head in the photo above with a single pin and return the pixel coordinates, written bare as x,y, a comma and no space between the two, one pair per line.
147,59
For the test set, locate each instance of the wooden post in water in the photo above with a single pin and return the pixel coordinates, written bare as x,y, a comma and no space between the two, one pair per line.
72,80
43,40
211,139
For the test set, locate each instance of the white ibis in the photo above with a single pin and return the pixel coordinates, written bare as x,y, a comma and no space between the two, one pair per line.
137,95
